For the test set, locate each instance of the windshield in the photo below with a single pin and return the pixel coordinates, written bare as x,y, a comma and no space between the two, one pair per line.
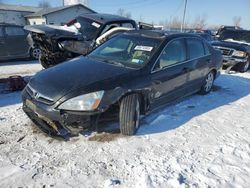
243,36
87,27
126,50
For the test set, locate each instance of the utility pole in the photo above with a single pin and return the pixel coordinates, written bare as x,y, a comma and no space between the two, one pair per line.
184,15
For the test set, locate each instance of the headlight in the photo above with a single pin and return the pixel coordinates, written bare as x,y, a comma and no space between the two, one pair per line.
85,102
239,54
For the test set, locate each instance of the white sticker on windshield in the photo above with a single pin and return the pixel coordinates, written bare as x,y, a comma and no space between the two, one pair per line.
144,48
96,24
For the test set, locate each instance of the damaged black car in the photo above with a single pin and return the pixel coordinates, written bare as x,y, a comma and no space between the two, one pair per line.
134,72
78,37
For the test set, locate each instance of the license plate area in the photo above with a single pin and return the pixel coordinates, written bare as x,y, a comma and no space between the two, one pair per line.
30,105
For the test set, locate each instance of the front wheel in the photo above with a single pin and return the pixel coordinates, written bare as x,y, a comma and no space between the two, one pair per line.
44,62
208,83
129,115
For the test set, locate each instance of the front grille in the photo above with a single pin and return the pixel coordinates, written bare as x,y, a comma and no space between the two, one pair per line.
38,96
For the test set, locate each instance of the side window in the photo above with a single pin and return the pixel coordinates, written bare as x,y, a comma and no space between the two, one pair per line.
195,48
1,31
173,53
110,26
14,31
127,25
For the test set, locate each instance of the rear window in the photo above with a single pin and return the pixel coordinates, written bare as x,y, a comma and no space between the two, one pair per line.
195,48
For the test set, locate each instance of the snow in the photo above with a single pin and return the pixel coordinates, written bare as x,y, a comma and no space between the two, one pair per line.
19,68
200,141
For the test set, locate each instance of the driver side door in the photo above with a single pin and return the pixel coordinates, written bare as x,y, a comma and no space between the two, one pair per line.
169,75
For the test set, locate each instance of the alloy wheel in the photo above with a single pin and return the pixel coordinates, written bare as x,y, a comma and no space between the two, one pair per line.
209,82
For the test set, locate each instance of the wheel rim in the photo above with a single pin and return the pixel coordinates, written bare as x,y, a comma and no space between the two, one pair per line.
246,66
209,82
137,115
36,53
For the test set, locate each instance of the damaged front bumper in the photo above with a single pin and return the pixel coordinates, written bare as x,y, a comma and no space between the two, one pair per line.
230,62
54,122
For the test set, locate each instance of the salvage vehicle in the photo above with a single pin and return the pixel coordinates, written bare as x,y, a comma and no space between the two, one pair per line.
78,37
134,72
235,47
224,28
14,44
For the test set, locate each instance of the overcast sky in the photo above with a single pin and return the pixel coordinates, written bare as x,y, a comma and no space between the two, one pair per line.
217,12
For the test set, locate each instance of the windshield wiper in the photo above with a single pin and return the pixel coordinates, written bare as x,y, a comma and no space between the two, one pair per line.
114,62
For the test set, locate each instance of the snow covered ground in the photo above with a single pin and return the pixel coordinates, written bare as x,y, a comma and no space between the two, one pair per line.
19,68
201,141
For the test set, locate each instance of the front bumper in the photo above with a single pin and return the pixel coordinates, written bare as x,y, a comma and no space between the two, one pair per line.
54,122
232,61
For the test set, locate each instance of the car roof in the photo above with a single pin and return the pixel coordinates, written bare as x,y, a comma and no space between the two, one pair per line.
160,34
104,18
237,30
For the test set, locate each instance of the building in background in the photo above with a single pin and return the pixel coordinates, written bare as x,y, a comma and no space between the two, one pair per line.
73,2
15,14
57,15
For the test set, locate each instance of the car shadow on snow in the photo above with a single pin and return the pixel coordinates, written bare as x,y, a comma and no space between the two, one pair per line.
227,89
18,62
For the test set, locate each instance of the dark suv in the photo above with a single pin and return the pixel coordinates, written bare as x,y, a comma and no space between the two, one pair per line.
235,48
14,44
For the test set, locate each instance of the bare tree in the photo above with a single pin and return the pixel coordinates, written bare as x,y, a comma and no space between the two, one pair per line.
199,22
44,4
122,12
237,21
128,15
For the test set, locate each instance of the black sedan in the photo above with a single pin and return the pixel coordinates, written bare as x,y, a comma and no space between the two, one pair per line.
134,72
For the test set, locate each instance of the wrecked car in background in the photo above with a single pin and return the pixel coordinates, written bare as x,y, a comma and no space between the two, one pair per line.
134,73
78,37
235,47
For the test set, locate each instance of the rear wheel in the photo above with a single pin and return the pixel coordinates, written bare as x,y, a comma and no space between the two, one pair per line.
129,114
208,83
244,67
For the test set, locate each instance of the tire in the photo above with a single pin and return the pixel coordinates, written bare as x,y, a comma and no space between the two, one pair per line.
208,83
43,61
129,115
35,53
244,67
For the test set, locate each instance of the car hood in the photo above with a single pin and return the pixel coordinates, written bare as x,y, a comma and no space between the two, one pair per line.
227,44
81,73
52,30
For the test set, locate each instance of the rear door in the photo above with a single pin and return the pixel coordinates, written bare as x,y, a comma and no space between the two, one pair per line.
17,42
199,59
170,73
3,51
